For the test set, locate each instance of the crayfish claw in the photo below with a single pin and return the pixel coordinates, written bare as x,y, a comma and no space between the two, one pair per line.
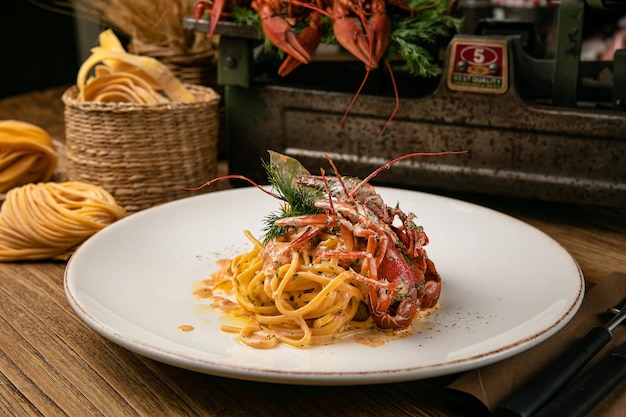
432,286
199,9
279,32
349,36
215,12
379,29
310,38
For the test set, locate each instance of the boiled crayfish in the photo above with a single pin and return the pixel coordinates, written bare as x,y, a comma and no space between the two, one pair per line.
361,28
381,244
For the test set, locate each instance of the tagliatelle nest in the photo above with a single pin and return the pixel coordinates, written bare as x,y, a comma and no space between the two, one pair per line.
123,77
27,154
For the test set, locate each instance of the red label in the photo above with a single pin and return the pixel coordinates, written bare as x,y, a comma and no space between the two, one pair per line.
478,65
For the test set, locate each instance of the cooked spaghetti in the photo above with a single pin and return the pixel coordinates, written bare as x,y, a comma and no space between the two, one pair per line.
48,220
299,302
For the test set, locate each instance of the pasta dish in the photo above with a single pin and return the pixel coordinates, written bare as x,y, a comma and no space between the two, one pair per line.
335,261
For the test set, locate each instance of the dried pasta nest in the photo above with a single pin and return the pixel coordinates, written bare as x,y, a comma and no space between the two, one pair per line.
142,153
27,154
49,220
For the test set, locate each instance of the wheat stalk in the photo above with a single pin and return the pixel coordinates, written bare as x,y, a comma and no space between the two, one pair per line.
153,22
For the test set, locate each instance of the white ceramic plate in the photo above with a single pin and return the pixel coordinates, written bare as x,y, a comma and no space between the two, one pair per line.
507,286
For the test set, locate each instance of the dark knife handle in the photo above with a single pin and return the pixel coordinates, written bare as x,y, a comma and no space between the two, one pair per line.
580,397
554,376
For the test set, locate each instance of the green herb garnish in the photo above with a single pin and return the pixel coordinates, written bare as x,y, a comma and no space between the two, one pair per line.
282,171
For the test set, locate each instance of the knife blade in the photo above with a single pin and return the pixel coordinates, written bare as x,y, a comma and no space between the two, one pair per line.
541,388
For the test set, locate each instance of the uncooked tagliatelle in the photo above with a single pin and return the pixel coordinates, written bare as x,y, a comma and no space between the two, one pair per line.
123,77
49,220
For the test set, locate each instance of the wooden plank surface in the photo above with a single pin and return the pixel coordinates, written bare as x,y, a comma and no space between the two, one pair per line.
52,363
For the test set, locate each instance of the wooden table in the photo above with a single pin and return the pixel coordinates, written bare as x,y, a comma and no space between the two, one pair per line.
52,363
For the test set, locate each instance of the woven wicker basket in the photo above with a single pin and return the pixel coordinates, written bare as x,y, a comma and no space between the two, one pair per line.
142,153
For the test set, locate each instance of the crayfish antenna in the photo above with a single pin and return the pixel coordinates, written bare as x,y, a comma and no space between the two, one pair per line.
398,159
227,177
358,93
339,178
330,196
354,98
396,95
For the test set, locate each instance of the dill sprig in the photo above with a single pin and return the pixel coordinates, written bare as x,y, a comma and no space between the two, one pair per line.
299,200
411,36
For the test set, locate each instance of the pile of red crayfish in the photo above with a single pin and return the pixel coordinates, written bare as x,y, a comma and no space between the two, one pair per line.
364,28
370,30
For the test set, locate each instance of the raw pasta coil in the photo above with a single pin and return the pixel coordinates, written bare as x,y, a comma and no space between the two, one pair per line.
49,220
27,154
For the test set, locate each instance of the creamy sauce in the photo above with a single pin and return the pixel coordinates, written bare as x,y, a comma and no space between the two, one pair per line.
223,305
376,337
185,328
203,292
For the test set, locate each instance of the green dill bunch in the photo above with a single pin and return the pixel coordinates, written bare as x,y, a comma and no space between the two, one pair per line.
297,199
414,34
